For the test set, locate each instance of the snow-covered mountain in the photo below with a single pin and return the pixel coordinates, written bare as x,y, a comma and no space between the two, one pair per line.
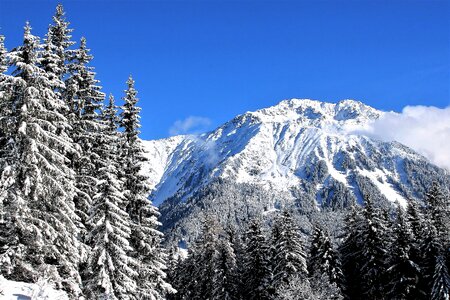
298,149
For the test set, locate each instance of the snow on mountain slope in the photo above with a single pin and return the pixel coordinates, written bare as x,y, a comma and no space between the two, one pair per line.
277,148
159,153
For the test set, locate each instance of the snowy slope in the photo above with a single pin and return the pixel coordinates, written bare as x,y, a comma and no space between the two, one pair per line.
272,147
292,154
13,290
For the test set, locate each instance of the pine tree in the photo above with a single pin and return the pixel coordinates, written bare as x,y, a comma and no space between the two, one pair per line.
145,237
441,280
184,277
3,57
417,223
85,100
290,257
59,35
323,258
224,281
5,104
257,272
111,273
235,239
374,251
41,189
205,261
351,254
436,242
8,203
438,212
404,273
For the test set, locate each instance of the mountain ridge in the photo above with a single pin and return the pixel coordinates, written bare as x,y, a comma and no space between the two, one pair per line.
296,149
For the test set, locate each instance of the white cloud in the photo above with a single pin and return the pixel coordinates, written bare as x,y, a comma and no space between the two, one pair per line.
190,125
426,129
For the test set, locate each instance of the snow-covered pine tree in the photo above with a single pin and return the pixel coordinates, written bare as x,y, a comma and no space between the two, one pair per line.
42,185
350,253
438,212
49,62
5,100
323,258
145,236
110,271
173,263
256,265
11,249
418,225
415,219
85,100
237,245
3,57
205,257
403,272
441,280
183,277
374,251
290,256
59,35
224,281
436,243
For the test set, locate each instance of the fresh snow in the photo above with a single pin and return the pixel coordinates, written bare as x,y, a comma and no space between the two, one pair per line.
13,290
271,147
378,177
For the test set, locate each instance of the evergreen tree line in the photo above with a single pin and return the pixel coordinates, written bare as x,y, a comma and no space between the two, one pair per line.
73,200
382,253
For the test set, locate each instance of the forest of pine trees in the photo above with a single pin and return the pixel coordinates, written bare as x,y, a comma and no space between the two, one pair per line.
382,253
74,207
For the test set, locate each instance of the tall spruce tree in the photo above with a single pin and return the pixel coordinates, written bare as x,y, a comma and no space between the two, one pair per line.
224,281
418,225
323,258
59,35
374,251
351,254
11,248
436,245
184,277
256,265
404,273
5,103
205,257
41,187
111,272
85,100
438,212
3,57
290,256
441,280
145,236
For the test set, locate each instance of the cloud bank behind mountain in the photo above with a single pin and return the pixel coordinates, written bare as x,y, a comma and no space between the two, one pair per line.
426,129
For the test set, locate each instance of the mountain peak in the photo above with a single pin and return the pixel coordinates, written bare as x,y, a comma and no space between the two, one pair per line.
317,113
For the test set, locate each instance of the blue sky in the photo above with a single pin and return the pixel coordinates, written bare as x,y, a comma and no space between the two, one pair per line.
200,63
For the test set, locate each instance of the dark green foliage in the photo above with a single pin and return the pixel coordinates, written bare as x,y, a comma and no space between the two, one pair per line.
256,265
351,253
209,272
374,251
323,259
289,256
403,271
